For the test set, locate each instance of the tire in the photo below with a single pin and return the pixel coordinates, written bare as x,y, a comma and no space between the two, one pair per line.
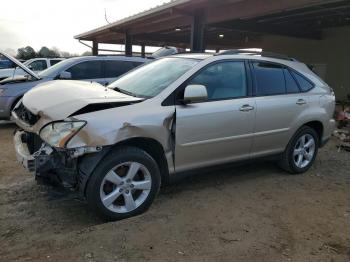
129,175
289,161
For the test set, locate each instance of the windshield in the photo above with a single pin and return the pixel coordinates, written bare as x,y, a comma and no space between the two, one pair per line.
149,80
54,70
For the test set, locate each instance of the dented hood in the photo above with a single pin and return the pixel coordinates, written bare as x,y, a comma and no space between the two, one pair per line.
62,98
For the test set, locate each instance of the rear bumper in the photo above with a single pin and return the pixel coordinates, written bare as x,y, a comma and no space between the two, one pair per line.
324,142
328,131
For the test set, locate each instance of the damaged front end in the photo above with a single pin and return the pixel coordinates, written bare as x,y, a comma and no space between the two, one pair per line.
63,140
38,157
45,154
69,169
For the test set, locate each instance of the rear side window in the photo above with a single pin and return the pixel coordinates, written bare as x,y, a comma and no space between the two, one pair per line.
304,84
117,68
54,61
291,85
269,79
38,65
86,70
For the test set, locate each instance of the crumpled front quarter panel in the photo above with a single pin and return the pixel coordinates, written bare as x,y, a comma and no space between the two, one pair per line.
108,127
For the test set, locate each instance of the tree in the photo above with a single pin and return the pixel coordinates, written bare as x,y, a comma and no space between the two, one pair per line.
87,53
46,52
26,53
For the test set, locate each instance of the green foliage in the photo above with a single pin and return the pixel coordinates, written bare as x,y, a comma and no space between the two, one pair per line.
87,53
46,52
26,53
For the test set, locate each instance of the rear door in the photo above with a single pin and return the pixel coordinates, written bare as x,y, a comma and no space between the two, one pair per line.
219,130
279,103
88,71
115,68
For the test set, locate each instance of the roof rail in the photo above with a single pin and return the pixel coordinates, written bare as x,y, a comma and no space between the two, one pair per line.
261,53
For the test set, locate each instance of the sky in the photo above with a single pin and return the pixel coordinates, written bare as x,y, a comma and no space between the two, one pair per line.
54,23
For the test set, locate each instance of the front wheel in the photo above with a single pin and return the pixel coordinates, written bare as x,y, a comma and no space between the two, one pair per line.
124,184
301,151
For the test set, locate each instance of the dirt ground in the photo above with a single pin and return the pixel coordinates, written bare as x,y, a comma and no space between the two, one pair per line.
254,212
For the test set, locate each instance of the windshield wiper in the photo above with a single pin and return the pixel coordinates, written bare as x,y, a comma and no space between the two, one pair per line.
128,93
124,91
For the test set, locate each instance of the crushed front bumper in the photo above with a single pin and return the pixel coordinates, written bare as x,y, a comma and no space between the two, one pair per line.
70,168
36,156
22,152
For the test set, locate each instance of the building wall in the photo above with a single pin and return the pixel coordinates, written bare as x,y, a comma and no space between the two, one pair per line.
331,56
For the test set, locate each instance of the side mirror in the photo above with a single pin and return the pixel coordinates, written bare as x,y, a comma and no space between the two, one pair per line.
65,75
195,94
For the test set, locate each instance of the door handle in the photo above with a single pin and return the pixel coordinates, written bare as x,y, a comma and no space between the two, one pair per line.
301,102
246,108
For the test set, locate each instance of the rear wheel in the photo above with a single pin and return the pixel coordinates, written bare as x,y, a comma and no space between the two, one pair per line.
301,151
124,184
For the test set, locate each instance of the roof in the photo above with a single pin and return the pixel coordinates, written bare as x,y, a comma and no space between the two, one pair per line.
200,56
228,23
172,3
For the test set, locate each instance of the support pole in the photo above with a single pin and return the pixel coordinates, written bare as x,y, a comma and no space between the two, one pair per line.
94,48
128,44
197,32
143,50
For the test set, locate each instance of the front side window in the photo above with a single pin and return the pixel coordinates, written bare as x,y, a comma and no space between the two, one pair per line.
86,70
223,80
114,68
38,65
152,78
269,79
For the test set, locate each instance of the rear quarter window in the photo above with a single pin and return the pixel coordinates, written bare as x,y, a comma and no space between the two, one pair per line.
304,84
291,84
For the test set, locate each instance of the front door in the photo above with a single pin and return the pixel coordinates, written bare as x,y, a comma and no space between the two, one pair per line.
220,129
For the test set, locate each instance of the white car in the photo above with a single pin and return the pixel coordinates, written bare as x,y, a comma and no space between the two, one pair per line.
35,64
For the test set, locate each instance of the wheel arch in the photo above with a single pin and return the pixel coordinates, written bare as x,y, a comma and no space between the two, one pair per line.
88,163
152,147
318,127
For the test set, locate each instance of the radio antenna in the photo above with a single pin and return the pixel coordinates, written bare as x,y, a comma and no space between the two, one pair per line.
106,17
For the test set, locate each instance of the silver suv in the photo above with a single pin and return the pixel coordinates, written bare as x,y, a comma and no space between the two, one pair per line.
117,145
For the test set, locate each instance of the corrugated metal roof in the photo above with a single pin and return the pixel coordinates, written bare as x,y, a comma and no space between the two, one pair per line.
153,10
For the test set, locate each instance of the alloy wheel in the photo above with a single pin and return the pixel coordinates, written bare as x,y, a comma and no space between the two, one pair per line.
125,187
304,151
